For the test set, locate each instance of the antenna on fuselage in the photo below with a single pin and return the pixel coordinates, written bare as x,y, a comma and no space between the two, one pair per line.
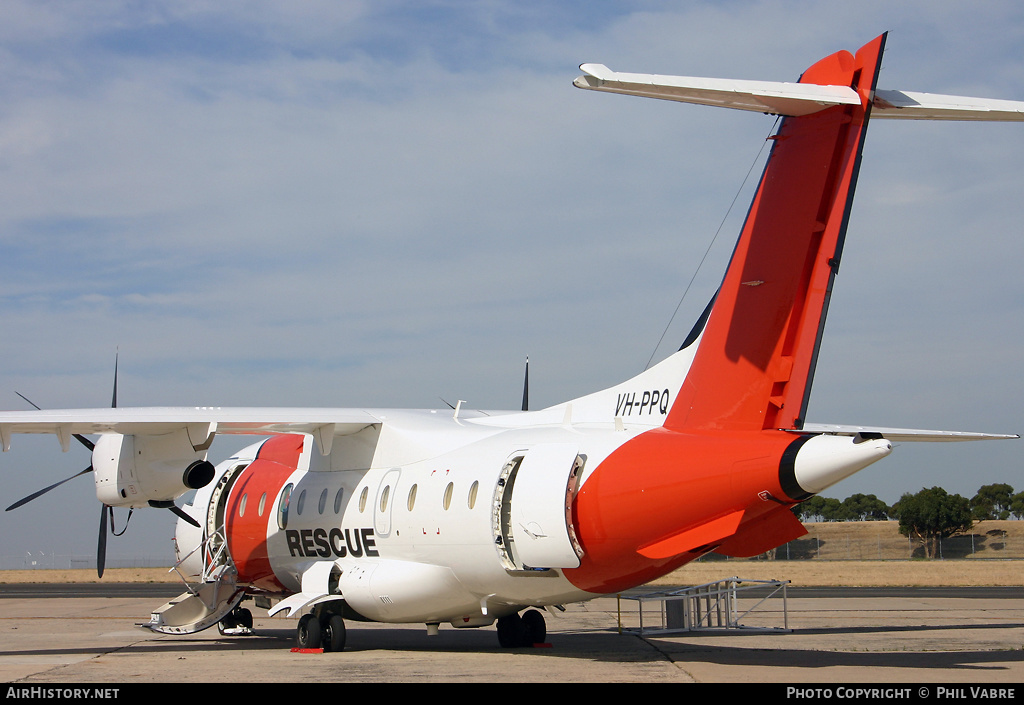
526,386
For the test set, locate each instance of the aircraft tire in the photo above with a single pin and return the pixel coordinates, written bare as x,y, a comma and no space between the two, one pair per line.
308,634
244,618
512,632
227,623
333,630
535,626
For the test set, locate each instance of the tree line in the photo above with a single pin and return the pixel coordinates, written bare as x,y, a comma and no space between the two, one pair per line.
928,515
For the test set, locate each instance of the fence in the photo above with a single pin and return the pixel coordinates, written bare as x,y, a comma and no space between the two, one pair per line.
881,540
857,541
55,562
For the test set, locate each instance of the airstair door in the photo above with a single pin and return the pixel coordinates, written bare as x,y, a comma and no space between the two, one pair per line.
197,609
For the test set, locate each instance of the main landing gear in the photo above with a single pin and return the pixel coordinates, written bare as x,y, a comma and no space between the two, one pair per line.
526,630
321,631
324,630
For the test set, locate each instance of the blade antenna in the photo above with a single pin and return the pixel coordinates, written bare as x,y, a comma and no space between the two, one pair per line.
113,400
526,386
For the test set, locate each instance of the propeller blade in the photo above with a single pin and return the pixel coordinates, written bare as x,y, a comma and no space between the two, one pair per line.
101,548
181,514
47,489
175,509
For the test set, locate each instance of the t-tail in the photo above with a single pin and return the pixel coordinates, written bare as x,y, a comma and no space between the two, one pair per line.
733,453
756,357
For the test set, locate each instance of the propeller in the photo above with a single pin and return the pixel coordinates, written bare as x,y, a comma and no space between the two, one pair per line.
106,511
102,548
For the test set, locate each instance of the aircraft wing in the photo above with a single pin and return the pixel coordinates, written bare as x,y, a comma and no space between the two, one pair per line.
323,424
902,435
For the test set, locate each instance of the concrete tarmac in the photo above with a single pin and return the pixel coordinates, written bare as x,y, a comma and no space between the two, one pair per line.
841,640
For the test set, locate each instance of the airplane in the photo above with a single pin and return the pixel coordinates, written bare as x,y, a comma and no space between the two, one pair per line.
489,518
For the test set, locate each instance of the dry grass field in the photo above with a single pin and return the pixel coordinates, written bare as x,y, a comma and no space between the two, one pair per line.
844,553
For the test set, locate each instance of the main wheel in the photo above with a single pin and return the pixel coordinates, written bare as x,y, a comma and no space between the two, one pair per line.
511,631
308,633
536,628
334,633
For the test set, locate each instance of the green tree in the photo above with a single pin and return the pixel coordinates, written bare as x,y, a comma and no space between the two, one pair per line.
1017,505
931,515
992,502
865,507
819,508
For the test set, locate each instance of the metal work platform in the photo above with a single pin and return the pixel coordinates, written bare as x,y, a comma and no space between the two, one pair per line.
711,607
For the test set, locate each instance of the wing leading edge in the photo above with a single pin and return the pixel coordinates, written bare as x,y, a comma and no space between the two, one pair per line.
323,424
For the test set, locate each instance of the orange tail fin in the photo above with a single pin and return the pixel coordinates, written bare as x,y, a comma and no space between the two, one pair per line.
756,360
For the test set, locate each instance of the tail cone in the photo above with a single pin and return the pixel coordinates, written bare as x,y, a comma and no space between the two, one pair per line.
822,461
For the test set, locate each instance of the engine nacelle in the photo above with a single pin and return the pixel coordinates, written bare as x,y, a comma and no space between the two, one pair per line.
131,471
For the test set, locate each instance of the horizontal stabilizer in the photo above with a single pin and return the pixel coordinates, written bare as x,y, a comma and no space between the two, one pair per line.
756,96
795,99
902,435
904,105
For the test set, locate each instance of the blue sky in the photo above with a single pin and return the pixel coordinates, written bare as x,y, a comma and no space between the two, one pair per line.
387,203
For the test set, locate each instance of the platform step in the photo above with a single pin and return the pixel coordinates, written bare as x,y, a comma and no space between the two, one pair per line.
196,610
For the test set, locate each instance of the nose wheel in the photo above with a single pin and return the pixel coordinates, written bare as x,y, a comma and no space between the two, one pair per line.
238,622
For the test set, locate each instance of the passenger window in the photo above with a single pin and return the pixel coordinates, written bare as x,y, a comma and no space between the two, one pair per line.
472,493
282,506
412,497
448,495
241,506
263,503
302,501
323,501
337,500
384,498
362,499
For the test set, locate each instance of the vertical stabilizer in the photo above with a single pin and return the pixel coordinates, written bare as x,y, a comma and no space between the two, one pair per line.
755,363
